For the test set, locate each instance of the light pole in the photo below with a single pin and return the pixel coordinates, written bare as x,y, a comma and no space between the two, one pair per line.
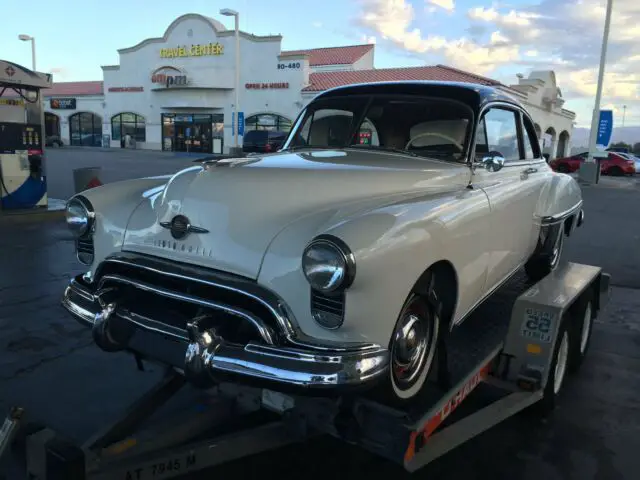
29,38
624,113
590,171
232,13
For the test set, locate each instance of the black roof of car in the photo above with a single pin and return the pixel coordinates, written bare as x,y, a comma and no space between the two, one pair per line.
474,94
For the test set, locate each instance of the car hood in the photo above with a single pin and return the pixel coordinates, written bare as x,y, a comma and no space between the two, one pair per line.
238,206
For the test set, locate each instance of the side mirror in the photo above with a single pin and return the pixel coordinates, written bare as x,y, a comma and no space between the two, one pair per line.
492,163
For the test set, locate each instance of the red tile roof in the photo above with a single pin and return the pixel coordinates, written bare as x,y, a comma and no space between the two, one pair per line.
321,81
75,89
333,55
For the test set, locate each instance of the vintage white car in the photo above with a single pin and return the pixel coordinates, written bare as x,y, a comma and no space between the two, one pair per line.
390,213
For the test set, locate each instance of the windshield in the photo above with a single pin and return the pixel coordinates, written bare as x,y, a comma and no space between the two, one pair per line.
420,126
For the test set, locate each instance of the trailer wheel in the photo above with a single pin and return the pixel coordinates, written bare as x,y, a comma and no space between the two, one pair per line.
582,317
557,370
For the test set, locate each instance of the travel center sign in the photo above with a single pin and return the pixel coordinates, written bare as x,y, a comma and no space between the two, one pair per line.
205,50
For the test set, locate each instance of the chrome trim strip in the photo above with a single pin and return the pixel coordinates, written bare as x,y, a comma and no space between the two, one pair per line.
151,325
559,217
296,369
265,332
487,295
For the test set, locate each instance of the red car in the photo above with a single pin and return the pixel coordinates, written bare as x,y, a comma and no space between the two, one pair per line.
614,164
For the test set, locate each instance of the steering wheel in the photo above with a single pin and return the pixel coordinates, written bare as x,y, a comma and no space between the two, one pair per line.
435,134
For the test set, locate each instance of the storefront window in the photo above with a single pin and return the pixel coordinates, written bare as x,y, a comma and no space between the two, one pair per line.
85,129
128,124
268,121
192,132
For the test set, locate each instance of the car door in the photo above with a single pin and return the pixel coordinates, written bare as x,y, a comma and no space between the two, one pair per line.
510,169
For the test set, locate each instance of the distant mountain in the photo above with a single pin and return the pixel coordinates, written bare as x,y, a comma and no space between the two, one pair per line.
629,135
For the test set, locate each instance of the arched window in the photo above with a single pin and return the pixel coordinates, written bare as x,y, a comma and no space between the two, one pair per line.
267,121
128,123
85,129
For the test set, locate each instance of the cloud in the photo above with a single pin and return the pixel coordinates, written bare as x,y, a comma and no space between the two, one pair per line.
448,5
563,35
317,24
393,21
60,73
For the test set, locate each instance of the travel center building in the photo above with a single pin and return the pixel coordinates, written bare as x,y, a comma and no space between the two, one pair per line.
176,92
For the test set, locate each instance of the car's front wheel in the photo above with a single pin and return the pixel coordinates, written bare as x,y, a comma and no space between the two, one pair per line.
544,262
412,350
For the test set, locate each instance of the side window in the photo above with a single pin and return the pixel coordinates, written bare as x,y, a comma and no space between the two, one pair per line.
501,133
531,142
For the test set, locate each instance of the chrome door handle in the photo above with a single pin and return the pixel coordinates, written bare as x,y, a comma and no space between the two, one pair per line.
530,170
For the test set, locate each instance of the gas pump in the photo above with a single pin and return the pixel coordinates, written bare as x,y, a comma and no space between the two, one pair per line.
23,181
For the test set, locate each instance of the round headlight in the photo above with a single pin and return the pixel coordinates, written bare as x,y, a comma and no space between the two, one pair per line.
328,264
79,217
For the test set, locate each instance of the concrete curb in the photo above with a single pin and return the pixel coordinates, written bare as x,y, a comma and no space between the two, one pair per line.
54,211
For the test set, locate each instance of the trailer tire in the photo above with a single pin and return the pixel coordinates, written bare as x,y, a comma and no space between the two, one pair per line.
582,317
557,370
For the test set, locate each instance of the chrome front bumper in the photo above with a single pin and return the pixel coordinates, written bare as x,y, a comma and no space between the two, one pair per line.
204,358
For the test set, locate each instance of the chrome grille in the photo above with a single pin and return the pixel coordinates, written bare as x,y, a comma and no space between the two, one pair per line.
176,300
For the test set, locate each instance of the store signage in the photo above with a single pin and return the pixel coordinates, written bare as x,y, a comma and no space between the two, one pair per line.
605,128
208,49
13,102
263,86
169,77
126,89
63,103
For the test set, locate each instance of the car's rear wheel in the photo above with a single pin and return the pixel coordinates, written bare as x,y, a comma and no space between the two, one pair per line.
615,171
543,263
412,351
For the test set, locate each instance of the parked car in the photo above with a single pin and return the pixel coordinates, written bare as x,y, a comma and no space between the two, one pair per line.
633,158
53,141
614,164
262,141
333,263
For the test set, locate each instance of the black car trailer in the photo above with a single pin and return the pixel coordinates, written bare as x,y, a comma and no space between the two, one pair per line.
512,353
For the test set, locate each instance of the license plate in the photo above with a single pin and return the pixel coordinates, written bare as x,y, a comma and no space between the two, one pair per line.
168,468
277,401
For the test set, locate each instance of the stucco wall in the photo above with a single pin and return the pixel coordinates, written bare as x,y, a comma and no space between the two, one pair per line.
211,78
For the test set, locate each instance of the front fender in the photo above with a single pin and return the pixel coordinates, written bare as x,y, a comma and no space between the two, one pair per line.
393,244
113,204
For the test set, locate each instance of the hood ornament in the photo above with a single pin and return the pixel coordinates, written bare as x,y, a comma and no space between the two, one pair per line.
180,227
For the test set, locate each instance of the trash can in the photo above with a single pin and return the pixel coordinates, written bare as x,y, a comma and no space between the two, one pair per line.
86,178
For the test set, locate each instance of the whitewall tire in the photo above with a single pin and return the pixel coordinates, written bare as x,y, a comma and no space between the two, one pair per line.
412,351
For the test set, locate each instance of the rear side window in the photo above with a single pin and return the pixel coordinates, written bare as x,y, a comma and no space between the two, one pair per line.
531,142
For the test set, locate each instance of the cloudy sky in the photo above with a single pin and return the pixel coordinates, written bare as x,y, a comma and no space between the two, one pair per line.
496,39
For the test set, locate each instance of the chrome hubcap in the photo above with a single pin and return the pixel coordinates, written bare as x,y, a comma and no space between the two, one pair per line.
409,349
561,364
586,328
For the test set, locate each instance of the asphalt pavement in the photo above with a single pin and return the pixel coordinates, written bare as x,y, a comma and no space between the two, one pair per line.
49,366
115,164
